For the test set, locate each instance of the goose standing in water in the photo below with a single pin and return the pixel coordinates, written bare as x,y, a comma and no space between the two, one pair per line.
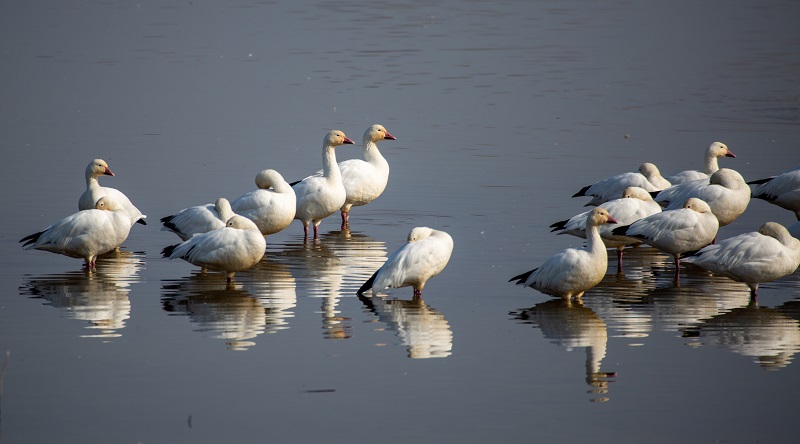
761,256
710,165
571,272
610,188
423,257
726,193
320,196
94,191
272,206
236,247
85,234
199,219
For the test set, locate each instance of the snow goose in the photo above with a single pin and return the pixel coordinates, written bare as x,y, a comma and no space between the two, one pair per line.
320,196
571,272
782,190
424,256
759,256
610,188
85,234
272,206
200,219
711,165
676,231
236,247
726,193
635,204
99,167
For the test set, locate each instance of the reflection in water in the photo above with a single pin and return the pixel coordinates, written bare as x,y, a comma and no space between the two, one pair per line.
421,328
769,335
99,297
334,266
259,302
570,325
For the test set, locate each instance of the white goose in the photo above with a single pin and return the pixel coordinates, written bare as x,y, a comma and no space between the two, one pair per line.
610,188
272,206
710,165
320,196
677,231
726,193
85,234
760,256
236,247
365,180
782,190
87,201
423,257
571,272
199,219
635,204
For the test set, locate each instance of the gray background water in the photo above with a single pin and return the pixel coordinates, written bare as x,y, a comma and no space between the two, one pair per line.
502,110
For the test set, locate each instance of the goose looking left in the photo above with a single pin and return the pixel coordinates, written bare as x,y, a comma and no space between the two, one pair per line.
87,201
271,206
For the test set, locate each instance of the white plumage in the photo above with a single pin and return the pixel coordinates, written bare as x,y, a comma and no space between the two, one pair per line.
199,219
320,196
236,247
782,190
272,206
87,201
85,234
710,165
423,257
610,188
762,256
726,193
676,231
571,272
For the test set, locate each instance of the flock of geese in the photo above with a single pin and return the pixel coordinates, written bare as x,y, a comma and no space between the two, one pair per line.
679,215
229,236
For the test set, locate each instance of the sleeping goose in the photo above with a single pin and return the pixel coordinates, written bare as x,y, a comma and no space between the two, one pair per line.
99,167
711,165
199,219
272,206
726,193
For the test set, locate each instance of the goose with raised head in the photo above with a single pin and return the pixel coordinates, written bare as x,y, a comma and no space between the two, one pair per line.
85,234
760,256
94,191
782,190
635,204
271,206
710,165
320,196
198,219
648,177
424,256
238,246
676,231
570,273
726,193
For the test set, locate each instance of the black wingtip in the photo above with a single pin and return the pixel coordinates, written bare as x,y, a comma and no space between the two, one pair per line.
167,251
32,238
760,181
654,194
559,225
294,183
620,231
367,285
141,221
521,278
582,192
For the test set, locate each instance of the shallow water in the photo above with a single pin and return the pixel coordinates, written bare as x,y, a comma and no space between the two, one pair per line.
501,112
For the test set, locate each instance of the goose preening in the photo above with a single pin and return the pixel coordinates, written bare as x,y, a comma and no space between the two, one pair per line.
424,256
726,193
611,188
710,165
676,231
237,246
635,204
782,190
320,196
272,206
571,272
85,234
94,191
760,256
199,219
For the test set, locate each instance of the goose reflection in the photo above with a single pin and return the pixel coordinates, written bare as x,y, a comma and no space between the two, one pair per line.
100,298
330,268
240,312
569,325
768,335
421,328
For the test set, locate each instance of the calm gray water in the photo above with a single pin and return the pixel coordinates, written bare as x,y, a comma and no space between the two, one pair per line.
501,109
